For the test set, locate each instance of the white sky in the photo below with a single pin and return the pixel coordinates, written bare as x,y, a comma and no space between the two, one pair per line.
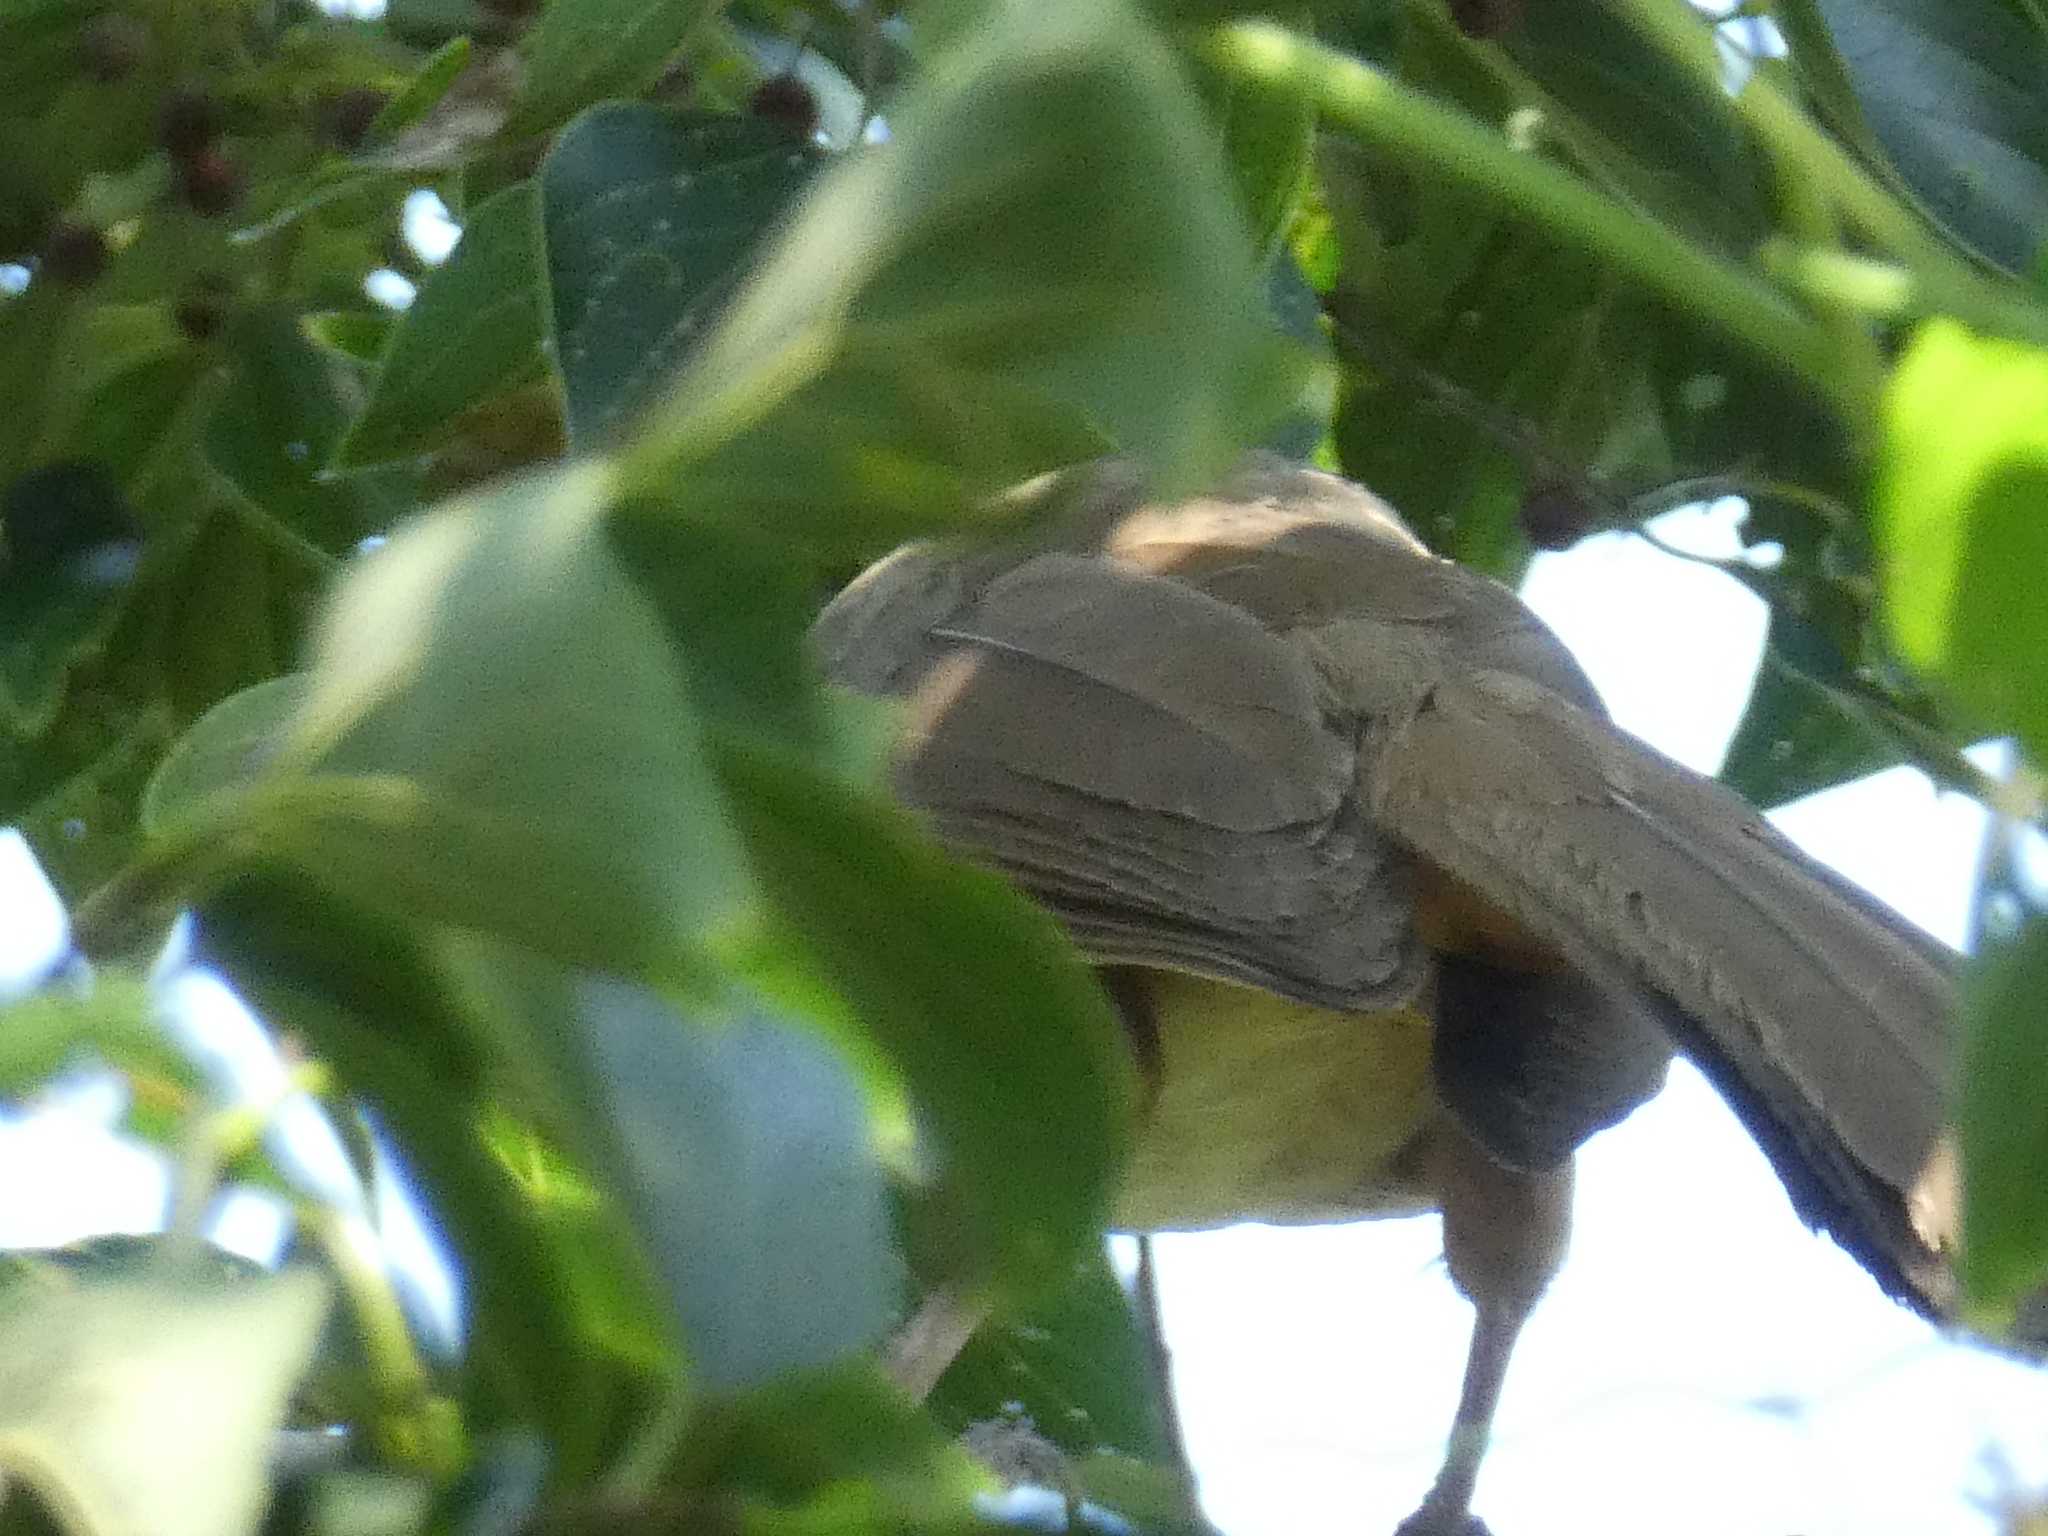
1703,1365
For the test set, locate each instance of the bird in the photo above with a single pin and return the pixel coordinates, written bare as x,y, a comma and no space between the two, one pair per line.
1393,917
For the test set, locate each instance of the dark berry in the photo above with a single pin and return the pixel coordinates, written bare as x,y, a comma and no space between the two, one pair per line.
202,309
343,118
188,123
1555,515
786,100
511,13
1486,19
74,252
210,183
112,47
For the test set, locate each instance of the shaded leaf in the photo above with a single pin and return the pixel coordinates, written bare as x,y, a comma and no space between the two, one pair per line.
1798,736
649,220
1072,1363
581,51
1952,89
2003,1127
69,549
814,1430
1962,504
474,330
1013,1062
276,424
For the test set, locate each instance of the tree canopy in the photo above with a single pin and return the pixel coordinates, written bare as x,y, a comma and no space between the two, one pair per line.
443,654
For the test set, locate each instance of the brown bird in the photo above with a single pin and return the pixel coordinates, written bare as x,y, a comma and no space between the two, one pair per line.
1394,917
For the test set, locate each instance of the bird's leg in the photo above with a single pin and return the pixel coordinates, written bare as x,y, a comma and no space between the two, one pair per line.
1505,1232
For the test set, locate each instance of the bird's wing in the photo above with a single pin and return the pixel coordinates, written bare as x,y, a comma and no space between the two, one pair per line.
1820,1014
1211,735
1180,802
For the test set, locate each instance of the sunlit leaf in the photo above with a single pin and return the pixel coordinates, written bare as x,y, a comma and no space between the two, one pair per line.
1962,503
146,1407
230,745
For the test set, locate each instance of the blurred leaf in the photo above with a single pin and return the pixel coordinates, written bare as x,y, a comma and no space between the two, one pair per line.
1684,154
1952,89
581,51
1267,133
276,424
2004,1132
649,220
474,330
736,613
813,1430
228,747
83,826
69,547
146,1407
1016,1068
549,1302
115,1019
423,92
496,735
958,309
746,1157
1962,503
1072,1363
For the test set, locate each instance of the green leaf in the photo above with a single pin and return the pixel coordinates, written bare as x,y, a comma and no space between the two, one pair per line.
736,613
70,555
582,51
1073,1363
422,93
746,1157
1267,133
276,424
146,1407
555,1322
1013,1061
1962,504
958,309
1952,89
648,221
227,748
496,735
1799,736
116,1020
2003,1122
814,1431
474,330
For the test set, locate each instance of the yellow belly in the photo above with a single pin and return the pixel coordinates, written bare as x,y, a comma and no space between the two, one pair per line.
1270,1110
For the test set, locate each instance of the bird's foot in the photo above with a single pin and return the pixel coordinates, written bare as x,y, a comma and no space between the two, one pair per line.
1442,1519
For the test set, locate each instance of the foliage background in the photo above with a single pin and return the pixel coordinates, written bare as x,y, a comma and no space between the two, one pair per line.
532,829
